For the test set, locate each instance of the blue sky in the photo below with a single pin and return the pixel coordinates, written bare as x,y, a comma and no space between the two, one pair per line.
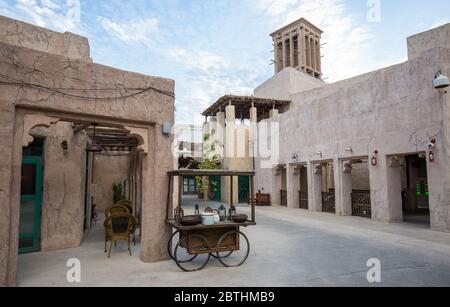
217,47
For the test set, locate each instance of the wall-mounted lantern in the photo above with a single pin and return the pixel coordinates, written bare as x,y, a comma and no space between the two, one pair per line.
374,160
432,157
65,146
431,147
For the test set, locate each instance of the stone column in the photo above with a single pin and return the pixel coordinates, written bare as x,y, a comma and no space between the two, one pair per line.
292,50
11,139
313,52
302,47
343,186
155,232
293,186
439,172
319,57
386,191
439,188
284,52
276,187
273,114
275,56
315,187
253,131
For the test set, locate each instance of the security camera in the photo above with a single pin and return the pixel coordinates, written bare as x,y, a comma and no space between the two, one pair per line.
441,81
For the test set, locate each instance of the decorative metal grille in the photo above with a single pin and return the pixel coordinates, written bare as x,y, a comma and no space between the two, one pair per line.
284,201
329,202
304,200
361,204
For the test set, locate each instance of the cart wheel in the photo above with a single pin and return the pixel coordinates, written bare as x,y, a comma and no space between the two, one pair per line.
170,248
198,261
222,255
236,258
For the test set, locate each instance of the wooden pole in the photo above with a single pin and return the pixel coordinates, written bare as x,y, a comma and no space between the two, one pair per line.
252,197
231,192
180,190
169,198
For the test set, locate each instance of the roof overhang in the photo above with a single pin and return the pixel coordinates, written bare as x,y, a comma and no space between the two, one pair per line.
243,104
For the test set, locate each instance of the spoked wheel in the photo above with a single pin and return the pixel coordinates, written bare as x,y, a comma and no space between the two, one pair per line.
172,245
196,262
236,258
222,255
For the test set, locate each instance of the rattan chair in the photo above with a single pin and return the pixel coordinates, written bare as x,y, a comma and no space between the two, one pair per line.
119,227
127,204
117,209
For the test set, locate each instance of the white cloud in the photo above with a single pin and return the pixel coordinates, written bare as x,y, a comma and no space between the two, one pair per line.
349,48
47,13
276,7
139,31
207,77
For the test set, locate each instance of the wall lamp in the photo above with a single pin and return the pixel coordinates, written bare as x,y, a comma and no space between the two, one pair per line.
349,149
374,160
65,146
319,154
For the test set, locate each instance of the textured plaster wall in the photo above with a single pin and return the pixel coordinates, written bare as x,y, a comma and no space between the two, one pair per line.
108,170
422,42
22,34
63,194
394,110
146,111
286,83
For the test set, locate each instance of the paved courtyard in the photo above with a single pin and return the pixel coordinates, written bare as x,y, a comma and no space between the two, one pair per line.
290,247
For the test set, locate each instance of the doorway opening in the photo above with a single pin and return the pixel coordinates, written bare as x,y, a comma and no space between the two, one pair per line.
328,187
31,197
415,192
281,182
303,192
361,203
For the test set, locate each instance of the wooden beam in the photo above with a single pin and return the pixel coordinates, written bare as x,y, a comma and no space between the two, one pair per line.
77,129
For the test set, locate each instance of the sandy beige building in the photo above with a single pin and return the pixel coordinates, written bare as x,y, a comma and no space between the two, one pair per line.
374,146
53,96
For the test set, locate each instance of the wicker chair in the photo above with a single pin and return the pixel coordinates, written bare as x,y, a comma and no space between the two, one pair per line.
127,204
119,227
117,209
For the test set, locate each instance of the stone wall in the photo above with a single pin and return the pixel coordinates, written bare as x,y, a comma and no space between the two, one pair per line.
422,42
21,34
108,170
144,113
393,111
63,194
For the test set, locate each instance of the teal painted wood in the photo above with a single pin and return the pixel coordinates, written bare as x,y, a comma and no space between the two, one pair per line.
37,201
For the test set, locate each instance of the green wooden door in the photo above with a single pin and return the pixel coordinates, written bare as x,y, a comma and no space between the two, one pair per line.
217,184
30,205
244,189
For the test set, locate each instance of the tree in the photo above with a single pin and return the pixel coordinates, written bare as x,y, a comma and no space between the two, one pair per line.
211,160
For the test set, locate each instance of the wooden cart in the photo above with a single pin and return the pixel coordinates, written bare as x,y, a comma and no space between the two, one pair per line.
192,247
